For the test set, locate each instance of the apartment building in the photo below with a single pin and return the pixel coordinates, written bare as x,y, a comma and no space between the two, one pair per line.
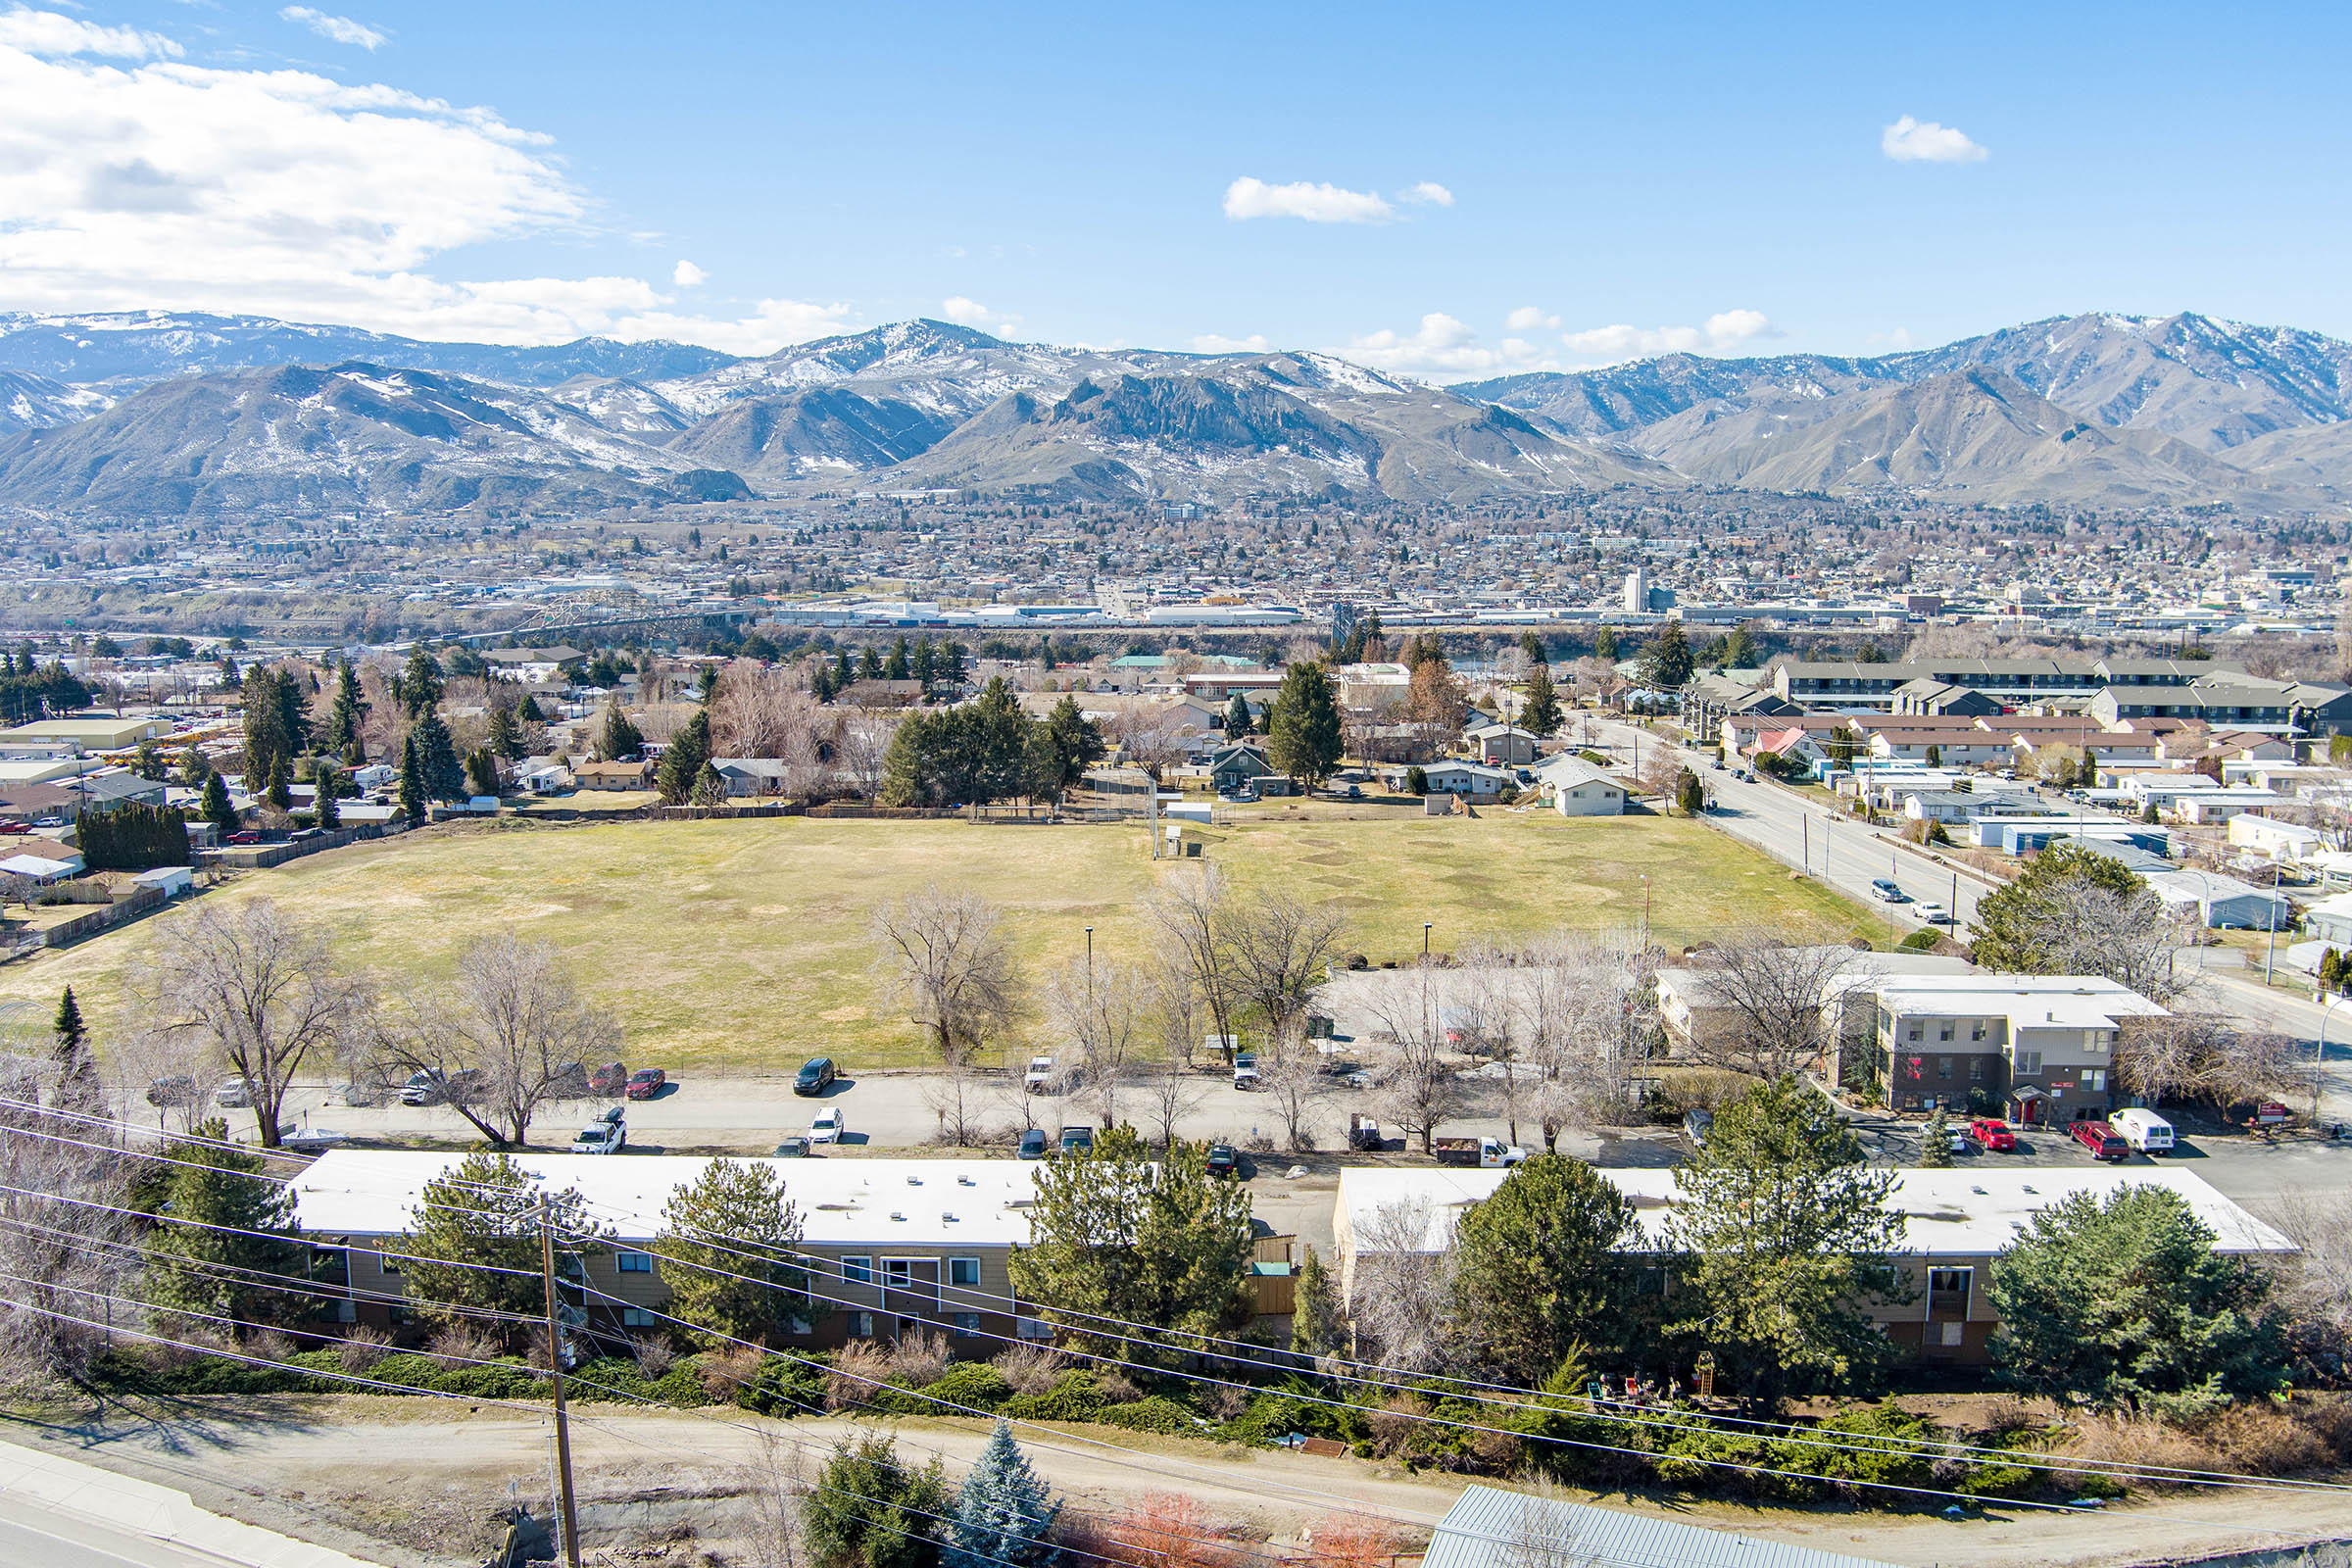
2039,1047
892,1245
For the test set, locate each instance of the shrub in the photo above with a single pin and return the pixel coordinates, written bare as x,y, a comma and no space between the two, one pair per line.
459,1345
920,1358
972,1384
1031,1368
656,1356
859,1370
723,1371
782,1389
1154,1414
1116,1386
1074,1397
361,1348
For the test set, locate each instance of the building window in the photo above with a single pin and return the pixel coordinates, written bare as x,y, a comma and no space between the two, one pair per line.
634,1262
1914,1033
1943,1066
637,1317
861,1325
2095,1079
963,1271
386,1262
1975,1069
1943,1031
1976,1031
2028,1063
858,1270
965,1322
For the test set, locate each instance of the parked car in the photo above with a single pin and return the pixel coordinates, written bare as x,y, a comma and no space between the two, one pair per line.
1039,1075
1888,889
1991,1133
235,1095
12,825
1078,1139
1697,1126
569,1082
608,1134
1223,1160
310,1139
1353,792
609,1079
422,1088
2103,1140
431,1088
244,836
1245,1071
1934,913
646,1082
364,1093
2143,1130
816,1076
1363,1131
1033,1145
1487,1153
178,1089
828,1127
795,1147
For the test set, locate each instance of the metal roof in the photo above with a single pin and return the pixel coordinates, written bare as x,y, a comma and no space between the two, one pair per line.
1490,1528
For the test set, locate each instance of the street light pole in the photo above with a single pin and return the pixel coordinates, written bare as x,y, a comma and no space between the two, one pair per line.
1425,925
2318,1058
2271,956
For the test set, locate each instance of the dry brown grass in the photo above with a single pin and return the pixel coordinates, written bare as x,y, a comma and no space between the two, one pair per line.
460,1345
920,1358
2303,1437
858,1368
1031,1368
725,1370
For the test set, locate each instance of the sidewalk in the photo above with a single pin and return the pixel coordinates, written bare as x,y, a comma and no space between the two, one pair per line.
31,1480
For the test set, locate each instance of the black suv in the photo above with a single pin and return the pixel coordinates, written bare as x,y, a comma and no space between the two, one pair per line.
817,1075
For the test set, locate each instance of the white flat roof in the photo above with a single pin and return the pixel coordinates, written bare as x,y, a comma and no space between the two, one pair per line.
2063,1001
1946,1213
923,1202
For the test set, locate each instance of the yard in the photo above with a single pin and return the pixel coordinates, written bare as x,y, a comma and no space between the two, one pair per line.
746,944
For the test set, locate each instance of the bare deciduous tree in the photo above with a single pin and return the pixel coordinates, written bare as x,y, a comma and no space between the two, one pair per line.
1172,1090
2083,928
58,1248
2196,1054
1764,1002
861,751
1291,1075
1400,1299
1103,1011
759,711
1417,1084
774,1483
1154,736
1586,1016
514,1024
253,989
1190,914
1281,948
943,959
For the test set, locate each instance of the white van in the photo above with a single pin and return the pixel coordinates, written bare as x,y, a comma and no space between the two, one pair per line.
2143,1130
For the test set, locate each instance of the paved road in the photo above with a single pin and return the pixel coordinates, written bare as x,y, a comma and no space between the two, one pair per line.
33,1536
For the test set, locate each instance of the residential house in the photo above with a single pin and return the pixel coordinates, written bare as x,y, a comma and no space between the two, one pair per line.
893,1245
881,693
1238,764
2221,902
1473,779
613,775
1952,1224
751,775
2041,1047
1938,747
1503,745
43,869
1697,1017
1577,788
2329,920
2279,841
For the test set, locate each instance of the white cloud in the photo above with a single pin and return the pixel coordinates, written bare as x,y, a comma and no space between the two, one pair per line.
1528,317
1216,343
688,275
1916,141
1428,193
45,32
334,30
1444,349
166,185
1725,333
971,312
1899,338
1249,198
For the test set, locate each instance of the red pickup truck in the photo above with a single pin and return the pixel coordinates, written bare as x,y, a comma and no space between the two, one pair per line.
2103,1140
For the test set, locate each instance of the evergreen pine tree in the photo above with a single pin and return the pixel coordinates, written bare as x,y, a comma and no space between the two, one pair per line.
346,716
870,665
1302,725
280,791
531,712
481,771
413,794
1316,1328
1236,717
217,808
418,687
1004,1513
1935,1150
77,1085
706,684
241,1224
1540,713
194,768
951,670
619,741
326,814
1605,644
504,735
683,757
900,666
148,762
437,762
843,673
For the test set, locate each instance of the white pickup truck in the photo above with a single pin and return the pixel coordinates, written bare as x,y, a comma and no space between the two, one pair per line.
1487,1153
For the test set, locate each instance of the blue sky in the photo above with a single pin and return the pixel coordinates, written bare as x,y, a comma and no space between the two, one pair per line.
1606,183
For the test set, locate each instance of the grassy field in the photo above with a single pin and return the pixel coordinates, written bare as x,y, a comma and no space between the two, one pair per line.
746,943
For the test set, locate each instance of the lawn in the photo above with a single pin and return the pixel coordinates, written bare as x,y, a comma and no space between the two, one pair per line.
746,943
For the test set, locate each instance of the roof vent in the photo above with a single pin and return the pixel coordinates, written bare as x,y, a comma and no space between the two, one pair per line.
895,1214
915,1181
946,1216
1979,1191
961,1180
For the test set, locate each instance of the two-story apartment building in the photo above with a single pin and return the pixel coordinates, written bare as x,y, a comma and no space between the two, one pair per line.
1953,1224
891,1244
2041,1047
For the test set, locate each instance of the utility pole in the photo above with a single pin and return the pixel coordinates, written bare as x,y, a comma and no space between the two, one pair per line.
570,1523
